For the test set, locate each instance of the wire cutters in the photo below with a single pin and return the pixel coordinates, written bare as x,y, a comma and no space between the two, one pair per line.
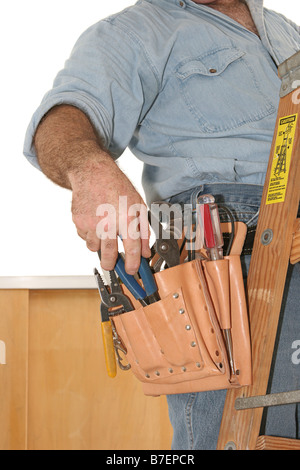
146,294
112,303
166,243
113,299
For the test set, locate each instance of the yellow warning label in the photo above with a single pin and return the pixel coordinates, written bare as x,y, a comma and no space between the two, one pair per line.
282,159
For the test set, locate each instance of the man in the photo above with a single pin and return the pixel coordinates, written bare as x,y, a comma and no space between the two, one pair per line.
191,86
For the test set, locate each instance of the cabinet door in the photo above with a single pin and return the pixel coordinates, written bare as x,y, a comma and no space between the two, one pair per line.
13,368
72,403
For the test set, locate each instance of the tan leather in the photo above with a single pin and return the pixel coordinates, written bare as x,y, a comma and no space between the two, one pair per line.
240,230
217,277
177,345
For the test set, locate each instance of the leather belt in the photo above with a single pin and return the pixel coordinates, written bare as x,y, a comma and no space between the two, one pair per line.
249,240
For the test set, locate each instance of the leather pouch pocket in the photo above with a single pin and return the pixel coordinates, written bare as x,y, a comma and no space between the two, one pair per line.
176,345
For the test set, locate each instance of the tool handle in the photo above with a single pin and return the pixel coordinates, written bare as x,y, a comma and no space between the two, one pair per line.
147,277
131,283
109,350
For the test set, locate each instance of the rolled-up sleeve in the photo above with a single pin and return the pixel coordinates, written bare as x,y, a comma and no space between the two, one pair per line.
111,78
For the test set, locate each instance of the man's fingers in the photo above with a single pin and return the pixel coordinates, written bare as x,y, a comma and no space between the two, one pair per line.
133,252
145,233
146,250
102,232
82,234
92,241
136,243
109,253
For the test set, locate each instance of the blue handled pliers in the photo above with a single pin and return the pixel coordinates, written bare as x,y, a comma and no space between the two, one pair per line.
145,295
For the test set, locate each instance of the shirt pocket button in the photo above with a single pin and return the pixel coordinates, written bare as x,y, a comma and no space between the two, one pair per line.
213,70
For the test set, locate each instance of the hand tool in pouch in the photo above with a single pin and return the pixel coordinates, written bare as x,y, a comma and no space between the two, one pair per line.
166,243
113,303
214,245
146,294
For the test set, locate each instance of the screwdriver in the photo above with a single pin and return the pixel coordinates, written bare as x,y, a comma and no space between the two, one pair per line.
214,245
211,225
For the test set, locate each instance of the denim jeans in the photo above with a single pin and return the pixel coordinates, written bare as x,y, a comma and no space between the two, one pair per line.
196,417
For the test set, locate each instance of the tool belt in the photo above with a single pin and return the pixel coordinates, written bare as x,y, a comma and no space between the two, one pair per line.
177,345
249,240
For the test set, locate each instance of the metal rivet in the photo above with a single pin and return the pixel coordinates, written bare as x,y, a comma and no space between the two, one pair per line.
193,344
184,369
188,327
112,298
171,371
181,311
147,376
181,4
164,247
157,373
175,296
198,364
230,446
213,70
267,237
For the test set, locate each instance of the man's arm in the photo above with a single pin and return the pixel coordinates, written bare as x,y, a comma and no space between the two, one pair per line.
71,154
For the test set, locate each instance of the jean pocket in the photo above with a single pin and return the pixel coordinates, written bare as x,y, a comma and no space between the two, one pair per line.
221,90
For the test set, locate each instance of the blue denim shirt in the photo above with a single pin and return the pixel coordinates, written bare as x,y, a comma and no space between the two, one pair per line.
191,92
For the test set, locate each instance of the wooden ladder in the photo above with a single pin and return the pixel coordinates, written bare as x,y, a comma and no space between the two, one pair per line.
277,243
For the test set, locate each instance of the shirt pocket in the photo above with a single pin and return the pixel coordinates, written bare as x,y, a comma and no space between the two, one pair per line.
221,90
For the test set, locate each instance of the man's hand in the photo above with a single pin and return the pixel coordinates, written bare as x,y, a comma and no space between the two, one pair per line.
105,204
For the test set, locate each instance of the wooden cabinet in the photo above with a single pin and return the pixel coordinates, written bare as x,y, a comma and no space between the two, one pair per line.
54,390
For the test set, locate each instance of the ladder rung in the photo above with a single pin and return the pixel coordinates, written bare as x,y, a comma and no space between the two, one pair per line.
273,399
277,443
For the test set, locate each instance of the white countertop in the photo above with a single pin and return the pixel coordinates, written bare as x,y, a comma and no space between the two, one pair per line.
48,282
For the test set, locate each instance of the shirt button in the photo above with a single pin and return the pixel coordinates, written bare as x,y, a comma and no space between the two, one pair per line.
181,4
213,70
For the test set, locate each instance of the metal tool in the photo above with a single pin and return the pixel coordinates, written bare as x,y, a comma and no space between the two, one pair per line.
166,243
214,245
212,228
113,302
146,294
119,348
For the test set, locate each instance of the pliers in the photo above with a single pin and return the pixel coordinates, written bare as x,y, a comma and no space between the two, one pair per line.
112,303
115,298
146,294
166,243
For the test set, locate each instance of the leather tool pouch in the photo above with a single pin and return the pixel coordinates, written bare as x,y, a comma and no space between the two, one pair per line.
176,345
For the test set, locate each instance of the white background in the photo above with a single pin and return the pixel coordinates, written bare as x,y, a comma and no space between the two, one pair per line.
37,236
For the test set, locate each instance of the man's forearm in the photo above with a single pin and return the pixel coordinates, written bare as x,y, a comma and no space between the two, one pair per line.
71,154
66,145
